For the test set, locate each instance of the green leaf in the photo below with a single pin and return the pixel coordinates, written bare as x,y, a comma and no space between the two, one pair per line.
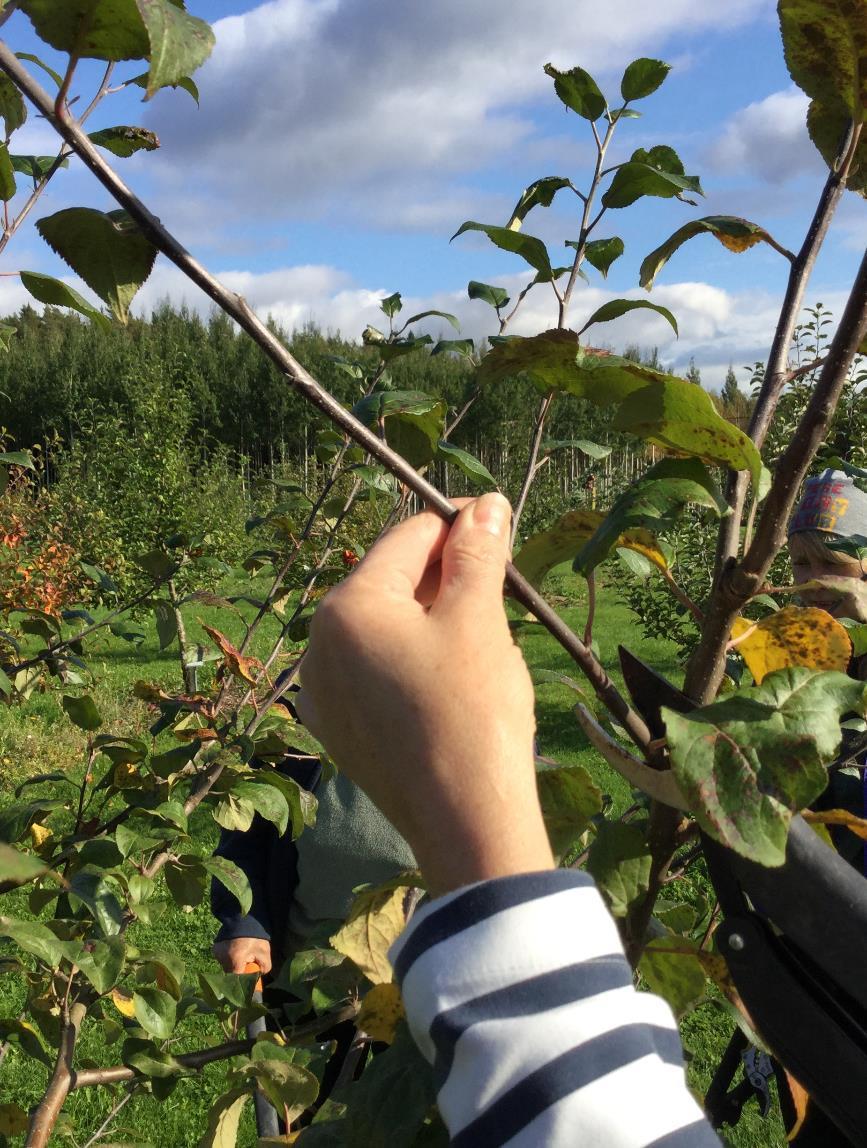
462,347
146,1058
391,305
17,818
579,91
179,43
828,126
400,347
471,466
159,565
531,249
232,988
750,761
497,296
21,458
825,45
13,110
288,1086
614,308
592,449
436,314
99,576
302,803
17,868
414,422
224,1119
540,193
155,1011
185,84
93,889
734,233
33,938
82,711
658,172
36,166
620,861
58,294
389,1104
653,502
186,882
90,29
267,801
109,251
234,879
166,968
676,414
124,141
673,971
102,964
569,798
642,77
167,624
601,253
25,1035
234,813
31,59
7,175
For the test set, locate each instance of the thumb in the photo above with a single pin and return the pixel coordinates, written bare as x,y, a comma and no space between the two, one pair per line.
473,562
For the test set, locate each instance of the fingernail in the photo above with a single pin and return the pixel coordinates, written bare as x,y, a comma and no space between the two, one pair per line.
493,513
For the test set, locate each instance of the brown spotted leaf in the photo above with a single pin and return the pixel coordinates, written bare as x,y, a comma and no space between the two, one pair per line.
747,763
733,233
794,636
381,1012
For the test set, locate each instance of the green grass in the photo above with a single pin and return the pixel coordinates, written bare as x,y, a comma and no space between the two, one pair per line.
38,737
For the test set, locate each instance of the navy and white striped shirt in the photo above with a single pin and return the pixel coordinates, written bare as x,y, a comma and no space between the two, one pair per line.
518,992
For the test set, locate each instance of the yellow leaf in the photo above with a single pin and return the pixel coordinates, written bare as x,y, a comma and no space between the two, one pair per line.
123,1002
567,535
856,825
376,921
800,1100
739,243
795,636
380,1012
39,834
13,1120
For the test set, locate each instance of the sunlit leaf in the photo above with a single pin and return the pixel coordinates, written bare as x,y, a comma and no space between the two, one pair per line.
657,172
7,174
224,1119
565,538
672,969
794,636
496,296
381,1012
466,462
620,861
750,761
733,233
13,110
376,921
654,502
569,798
155,1011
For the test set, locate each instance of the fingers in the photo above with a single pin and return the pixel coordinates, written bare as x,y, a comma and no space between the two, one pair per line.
398,561
234,956
473,560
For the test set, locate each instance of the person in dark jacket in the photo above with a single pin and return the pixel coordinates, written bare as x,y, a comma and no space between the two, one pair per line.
300,885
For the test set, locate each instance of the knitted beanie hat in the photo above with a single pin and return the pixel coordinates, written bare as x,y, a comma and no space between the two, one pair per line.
831,503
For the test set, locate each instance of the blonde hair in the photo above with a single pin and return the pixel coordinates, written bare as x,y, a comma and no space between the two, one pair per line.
811,545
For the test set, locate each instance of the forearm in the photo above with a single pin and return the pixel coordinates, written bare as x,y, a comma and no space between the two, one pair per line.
518,992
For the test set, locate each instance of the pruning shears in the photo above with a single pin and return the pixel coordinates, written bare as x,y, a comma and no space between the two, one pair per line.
794,939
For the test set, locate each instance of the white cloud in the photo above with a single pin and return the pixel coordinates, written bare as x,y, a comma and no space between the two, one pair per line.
768,139
311,103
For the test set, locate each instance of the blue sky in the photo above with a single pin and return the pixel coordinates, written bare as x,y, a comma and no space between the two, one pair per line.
339,144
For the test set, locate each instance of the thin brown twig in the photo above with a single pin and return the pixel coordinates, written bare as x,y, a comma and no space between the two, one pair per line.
307,386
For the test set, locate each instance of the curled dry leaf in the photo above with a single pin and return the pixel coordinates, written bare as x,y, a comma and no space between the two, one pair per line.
236,663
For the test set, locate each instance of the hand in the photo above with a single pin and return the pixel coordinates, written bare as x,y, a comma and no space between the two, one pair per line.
414,686
234,956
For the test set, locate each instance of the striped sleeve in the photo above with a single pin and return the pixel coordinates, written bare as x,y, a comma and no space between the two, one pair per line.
519,994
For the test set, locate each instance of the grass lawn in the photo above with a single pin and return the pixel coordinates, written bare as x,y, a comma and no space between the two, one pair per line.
37,738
